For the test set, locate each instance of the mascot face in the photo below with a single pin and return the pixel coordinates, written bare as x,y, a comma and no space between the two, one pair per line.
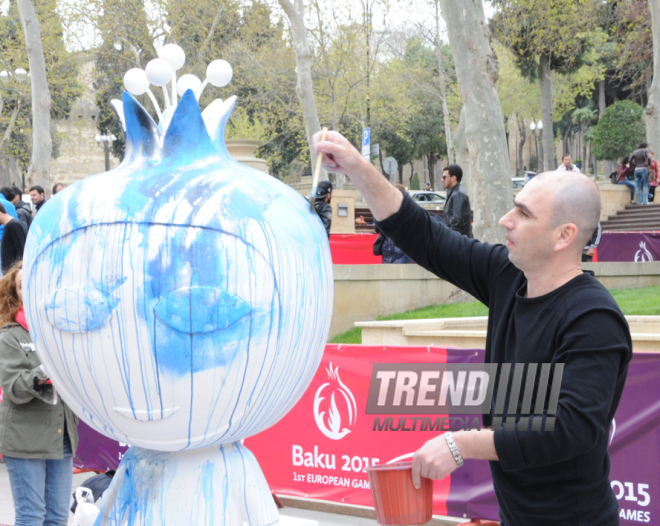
182,300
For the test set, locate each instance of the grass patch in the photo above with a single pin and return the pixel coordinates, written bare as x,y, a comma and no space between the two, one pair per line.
454,310
353,335
639,302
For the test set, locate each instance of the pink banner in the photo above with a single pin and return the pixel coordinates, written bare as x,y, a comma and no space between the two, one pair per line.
321,447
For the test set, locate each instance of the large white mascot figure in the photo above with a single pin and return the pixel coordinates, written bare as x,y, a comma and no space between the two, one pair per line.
180,303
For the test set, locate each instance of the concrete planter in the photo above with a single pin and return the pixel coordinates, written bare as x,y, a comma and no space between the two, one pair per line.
243,151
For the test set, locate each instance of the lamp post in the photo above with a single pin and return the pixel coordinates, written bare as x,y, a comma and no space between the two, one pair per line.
539,160
105,141
539,156
367,16
532,127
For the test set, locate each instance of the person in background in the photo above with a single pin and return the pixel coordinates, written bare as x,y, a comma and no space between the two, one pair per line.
567,164
322,204
653,170
23,211
11,210
13,240
38,196
623,170
590,248
385,247
38,433
57,187
640,161
457,213
427,187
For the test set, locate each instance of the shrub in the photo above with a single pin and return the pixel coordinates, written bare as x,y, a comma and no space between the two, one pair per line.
619,131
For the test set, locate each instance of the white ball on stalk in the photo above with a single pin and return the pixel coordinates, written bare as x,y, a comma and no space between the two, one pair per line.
159,71
219,73
136,81
174,55
187,82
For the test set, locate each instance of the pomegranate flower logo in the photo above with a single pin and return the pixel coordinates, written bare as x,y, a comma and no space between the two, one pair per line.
331,425
643,255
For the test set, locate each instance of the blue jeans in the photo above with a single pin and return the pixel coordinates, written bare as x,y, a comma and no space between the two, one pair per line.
630,184
41,489
642,181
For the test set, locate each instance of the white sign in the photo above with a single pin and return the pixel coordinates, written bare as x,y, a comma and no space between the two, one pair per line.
390,165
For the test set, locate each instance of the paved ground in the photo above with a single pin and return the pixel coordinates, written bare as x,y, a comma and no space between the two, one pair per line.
289,516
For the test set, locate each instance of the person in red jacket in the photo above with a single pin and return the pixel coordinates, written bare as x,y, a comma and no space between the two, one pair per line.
653,168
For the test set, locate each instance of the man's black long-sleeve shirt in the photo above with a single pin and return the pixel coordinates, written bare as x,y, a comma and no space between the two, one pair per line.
558,477
13,243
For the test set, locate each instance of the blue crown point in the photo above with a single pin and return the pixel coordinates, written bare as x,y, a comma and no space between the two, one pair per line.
216,116
186,134
142,134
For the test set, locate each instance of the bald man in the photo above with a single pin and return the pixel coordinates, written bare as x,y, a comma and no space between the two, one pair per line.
542,309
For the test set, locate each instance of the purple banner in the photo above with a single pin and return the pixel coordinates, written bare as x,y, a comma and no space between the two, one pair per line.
634,450
640,247
97,452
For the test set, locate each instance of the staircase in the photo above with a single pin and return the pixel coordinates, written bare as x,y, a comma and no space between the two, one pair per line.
634,218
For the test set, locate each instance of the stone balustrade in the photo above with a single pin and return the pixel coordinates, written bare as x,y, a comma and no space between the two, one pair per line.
470,333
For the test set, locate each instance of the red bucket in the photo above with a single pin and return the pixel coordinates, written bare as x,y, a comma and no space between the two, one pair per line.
396,500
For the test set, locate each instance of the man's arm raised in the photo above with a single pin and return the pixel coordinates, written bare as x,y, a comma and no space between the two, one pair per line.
339,155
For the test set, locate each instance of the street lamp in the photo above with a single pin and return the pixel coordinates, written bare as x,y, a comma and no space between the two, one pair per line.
105,141
539,159
532,127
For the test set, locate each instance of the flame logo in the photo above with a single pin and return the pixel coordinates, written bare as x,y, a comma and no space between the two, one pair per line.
643,255
333,428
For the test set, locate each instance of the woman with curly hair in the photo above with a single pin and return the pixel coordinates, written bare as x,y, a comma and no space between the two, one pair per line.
38,434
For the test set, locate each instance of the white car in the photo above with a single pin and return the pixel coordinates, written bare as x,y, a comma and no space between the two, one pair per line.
428,200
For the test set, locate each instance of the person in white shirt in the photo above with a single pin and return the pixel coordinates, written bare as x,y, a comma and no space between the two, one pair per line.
566,165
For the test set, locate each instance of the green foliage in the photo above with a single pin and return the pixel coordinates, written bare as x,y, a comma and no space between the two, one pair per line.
558,28
242,127
15,90
414,183
619,131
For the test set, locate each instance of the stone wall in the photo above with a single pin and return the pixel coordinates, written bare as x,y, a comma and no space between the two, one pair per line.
363,292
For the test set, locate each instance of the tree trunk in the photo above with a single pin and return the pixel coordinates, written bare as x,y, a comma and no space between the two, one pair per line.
42,144
463,153
522,132
401,174
443,88
601,98
652,113
380,160
412,173
602,106
432,160
476,70
548,142
304,86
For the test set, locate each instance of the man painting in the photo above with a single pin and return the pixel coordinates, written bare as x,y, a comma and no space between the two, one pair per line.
542,309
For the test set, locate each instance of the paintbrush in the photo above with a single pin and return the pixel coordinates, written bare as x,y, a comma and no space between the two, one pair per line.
317,171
